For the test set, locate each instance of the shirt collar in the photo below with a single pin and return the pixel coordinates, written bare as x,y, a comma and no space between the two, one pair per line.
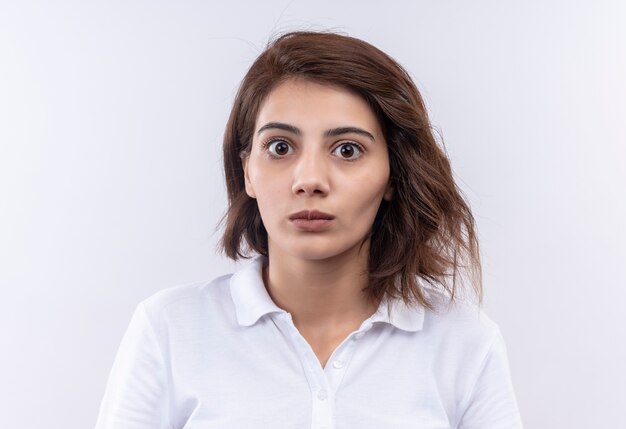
253,302
396,313
249,294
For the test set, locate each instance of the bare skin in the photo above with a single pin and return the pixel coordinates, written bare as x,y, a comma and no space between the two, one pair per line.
325,299
318,148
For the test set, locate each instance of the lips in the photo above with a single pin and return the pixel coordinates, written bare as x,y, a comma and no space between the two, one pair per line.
311,215
312,221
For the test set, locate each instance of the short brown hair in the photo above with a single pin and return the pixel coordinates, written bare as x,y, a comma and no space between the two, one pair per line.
426,233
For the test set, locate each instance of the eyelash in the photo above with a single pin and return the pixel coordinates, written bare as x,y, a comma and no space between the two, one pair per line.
265,145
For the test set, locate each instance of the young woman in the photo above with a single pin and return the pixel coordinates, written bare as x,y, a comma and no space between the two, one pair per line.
351,313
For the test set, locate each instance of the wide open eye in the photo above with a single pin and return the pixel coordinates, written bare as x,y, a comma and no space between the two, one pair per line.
279,148
348,151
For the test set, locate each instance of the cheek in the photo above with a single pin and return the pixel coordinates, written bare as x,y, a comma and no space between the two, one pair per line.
370,185
270,190
262,177
363,199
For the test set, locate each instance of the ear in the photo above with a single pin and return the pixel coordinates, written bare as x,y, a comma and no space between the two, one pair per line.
388,192
246,176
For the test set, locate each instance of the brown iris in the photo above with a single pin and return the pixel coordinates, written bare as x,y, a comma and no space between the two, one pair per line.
347,151
281,148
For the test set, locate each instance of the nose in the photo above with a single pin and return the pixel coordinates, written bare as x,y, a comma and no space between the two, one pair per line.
310,175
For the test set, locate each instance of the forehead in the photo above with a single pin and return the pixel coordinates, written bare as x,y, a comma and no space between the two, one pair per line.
312,105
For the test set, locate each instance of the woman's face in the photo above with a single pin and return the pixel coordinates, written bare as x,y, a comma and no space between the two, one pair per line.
316,148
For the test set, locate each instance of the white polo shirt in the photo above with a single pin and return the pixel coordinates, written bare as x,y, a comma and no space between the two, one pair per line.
221,354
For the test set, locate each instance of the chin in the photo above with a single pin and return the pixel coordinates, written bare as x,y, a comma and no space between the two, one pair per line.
310,252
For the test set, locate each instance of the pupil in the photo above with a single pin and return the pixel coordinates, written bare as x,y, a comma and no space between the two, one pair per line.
347,151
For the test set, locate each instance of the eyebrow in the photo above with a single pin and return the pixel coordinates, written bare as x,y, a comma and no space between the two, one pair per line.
333,132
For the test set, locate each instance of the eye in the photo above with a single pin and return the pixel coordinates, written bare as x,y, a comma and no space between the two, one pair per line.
278,148
348,151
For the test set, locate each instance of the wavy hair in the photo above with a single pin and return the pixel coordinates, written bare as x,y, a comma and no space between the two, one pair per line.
425,236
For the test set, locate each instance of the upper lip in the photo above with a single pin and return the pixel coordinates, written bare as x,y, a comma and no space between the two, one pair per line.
311,214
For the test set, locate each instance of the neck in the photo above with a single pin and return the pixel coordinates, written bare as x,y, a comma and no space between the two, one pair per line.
321,294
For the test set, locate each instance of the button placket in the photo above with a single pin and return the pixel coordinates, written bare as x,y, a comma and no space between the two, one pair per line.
321,395
338,364
321,405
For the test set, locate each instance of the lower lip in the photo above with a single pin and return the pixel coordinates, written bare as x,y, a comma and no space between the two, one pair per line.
311,224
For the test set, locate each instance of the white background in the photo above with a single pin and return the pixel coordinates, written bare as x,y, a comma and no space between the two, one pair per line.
111,119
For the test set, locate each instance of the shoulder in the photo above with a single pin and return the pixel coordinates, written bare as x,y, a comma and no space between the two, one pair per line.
468,348
475,364
186,302
462,326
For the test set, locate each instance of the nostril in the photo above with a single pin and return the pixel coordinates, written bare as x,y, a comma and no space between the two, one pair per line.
310,184
310,191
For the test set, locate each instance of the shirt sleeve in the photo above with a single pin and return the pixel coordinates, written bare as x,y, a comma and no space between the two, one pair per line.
136,392
491,403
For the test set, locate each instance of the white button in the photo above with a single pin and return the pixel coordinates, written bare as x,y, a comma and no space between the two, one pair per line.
322,394
357,336
338,364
